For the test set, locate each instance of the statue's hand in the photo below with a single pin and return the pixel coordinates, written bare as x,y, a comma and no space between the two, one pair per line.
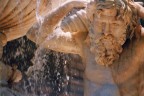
138,7
135,4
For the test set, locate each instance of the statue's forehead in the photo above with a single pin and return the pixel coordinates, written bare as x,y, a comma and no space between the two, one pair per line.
109,19
108,15
109,12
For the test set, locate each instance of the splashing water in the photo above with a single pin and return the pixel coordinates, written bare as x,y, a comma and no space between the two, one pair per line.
38,16
50,74
49,71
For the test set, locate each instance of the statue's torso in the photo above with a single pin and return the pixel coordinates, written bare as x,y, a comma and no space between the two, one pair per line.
122,76
98,79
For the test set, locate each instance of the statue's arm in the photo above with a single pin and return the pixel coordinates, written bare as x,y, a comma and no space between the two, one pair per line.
66,42
76,22
57,14
52,19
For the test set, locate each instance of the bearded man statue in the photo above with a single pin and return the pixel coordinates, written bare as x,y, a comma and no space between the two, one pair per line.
109,24
104,35
108,30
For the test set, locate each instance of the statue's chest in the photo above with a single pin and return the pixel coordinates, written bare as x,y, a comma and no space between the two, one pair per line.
122,69
95,72
126,72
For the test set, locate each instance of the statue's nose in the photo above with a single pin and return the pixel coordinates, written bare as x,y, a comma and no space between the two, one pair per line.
106,29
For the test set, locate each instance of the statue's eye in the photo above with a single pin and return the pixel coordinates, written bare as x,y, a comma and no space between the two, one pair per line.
103,24
115,24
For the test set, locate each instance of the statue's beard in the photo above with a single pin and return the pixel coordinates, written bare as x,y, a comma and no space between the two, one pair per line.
106,49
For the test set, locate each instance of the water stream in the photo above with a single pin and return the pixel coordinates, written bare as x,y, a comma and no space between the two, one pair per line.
45,72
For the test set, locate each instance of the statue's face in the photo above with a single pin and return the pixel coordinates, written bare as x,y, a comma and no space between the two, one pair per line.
108,34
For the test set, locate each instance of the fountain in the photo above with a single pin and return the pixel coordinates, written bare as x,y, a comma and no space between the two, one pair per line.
107,54
42,80
50,83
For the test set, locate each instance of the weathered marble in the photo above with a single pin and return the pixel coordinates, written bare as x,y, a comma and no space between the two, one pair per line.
109,23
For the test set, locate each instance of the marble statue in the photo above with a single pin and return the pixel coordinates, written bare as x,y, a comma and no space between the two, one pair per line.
108,37
105,33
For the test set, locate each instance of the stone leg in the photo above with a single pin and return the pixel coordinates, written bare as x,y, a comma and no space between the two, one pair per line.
93,89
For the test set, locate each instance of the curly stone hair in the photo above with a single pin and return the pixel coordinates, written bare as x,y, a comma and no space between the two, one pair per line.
124,11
